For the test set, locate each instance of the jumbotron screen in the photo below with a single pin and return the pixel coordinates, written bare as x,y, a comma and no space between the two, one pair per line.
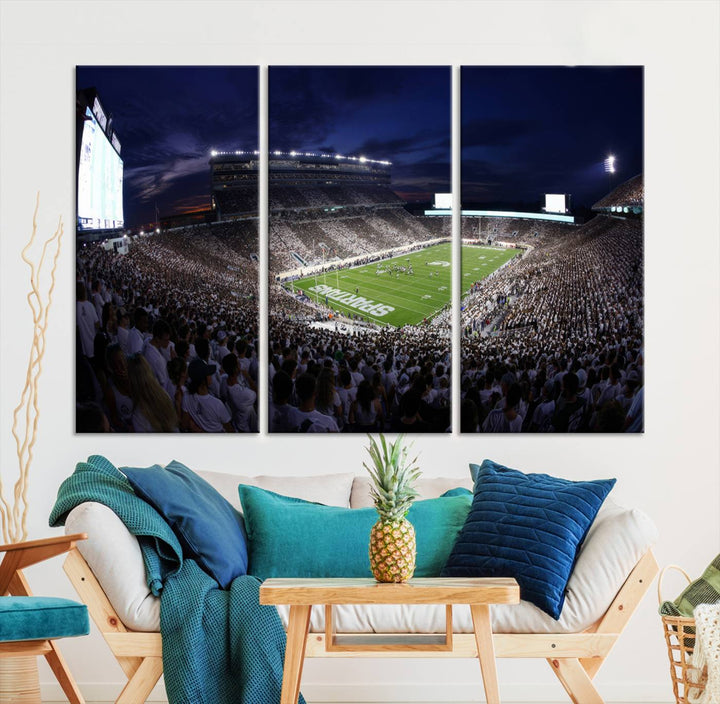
557,203
100,180
443,201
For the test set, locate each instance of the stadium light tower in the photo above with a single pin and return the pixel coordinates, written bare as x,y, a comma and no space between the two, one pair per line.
610,169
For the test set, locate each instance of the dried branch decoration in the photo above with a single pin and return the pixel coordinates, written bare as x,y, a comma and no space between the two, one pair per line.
13,516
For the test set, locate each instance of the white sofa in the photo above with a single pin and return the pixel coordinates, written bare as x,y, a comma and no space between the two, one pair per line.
615,559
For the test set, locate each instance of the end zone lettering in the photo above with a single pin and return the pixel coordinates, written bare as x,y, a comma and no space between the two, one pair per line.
349,299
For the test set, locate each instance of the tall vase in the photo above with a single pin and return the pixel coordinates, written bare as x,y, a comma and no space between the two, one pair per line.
19,681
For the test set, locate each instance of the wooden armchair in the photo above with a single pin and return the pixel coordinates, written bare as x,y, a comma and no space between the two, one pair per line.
29,625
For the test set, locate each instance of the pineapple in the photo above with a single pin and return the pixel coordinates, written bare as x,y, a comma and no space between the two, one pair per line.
392,539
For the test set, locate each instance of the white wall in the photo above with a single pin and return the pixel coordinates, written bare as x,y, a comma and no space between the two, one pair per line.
672,472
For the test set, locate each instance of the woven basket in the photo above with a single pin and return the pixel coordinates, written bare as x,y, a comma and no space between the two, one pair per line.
680,640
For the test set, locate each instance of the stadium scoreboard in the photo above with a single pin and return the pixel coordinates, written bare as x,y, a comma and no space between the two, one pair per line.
99,168
443,201
557,203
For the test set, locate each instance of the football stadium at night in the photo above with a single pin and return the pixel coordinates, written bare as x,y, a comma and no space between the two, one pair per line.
167,311
540,293
360,274
563,320
361,289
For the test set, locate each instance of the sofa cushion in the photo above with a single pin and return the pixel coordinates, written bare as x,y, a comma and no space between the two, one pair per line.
40,617
427,488
328,489
210,530
113,554
617,539
289,537
526,526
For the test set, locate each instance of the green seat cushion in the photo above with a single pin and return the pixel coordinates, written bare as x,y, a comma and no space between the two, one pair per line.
289,537
41,617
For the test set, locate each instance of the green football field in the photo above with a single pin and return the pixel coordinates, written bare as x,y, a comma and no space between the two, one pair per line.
383,293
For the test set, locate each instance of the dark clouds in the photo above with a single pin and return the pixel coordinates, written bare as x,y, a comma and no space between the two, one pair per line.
495,132
525,130
168,119
398,113
530,130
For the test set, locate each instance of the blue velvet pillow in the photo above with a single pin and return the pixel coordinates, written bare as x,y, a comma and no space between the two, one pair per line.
210,530
526,526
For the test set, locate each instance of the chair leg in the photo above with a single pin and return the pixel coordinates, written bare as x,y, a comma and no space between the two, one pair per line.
577,684
592,666
138,688
62,674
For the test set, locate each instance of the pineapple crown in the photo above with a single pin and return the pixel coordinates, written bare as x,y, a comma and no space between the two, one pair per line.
393,477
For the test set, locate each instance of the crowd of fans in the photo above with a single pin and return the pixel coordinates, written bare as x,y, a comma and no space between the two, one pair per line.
168,333
512,230
631,193
283,198
551,342
355,379
346,233
554,342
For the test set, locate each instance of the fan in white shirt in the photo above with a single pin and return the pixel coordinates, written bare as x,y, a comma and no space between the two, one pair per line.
202,412
154,349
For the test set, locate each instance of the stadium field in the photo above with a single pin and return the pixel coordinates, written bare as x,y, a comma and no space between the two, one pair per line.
384,293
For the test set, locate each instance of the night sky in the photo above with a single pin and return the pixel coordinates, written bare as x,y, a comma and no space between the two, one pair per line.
526,131
391,113
531,130
167,120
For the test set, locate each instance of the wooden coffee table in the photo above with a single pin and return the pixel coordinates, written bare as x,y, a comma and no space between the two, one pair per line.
302,594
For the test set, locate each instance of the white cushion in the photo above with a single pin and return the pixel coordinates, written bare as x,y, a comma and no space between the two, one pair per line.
328,489
113,554
427,487
617,540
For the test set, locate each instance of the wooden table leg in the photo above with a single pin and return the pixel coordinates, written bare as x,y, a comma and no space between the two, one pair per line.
298,627
486,651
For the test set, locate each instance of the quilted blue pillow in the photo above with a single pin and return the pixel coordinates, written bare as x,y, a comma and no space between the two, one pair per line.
526,526
210,530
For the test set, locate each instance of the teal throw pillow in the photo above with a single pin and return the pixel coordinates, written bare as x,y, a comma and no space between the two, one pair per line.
289,537
209,529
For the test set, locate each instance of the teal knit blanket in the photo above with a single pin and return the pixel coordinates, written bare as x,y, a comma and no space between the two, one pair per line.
219,646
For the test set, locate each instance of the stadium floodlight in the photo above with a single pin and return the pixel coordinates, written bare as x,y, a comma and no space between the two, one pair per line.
213,153
610,164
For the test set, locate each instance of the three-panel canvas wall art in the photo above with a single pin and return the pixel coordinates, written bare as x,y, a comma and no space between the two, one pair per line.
359,316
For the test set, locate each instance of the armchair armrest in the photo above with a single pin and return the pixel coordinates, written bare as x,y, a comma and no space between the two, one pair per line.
21,555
